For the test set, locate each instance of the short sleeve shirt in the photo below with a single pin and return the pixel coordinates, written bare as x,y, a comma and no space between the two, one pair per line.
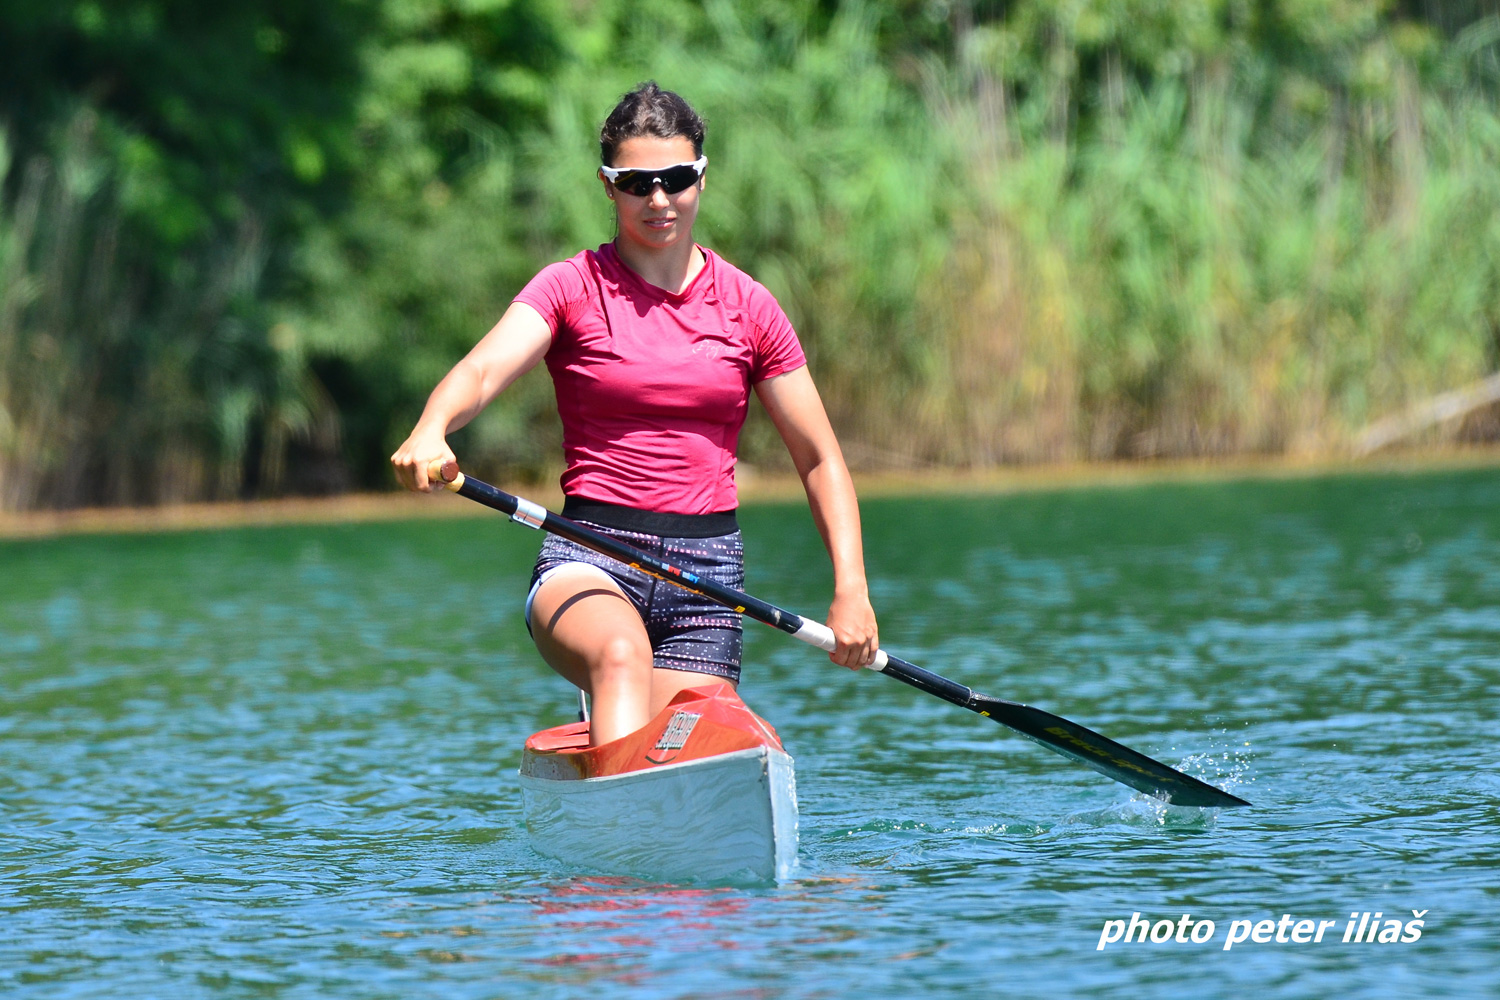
653,386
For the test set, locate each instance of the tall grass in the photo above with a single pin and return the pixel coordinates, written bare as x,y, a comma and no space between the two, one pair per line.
59,304
986,265
119,389
1182,285
1205,268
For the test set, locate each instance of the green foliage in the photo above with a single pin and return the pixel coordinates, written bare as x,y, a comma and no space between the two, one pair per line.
208,112
239,246
120,385
164,157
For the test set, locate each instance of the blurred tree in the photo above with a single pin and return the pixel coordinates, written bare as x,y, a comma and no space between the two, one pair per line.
208,111
196,140
438,234
239,244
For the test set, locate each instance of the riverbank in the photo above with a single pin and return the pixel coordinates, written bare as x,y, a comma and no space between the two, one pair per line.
755,487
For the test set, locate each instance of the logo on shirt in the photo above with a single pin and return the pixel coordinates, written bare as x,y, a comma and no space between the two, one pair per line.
711,349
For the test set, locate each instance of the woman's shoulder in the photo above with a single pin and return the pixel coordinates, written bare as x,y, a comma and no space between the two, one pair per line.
571,276
738,286
584,265
557,289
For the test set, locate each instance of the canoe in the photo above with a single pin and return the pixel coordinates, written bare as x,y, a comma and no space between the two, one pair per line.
704,792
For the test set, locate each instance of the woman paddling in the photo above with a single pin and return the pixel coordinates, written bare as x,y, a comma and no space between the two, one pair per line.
654,344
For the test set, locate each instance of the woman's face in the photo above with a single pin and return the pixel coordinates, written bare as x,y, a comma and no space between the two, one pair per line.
657,220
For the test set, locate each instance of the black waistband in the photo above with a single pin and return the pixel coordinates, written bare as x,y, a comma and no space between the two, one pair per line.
650,522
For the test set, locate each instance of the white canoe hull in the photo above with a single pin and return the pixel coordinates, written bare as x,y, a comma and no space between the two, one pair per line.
730,818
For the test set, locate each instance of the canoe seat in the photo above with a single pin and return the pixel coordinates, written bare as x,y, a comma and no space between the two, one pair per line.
573,736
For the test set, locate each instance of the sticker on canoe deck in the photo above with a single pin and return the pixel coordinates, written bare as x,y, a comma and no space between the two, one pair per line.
674,737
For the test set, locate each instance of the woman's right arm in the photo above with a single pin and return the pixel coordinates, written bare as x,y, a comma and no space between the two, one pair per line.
508,351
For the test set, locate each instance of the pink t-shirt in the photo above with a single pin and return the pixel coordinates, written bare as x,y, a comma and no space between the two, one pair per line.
653,387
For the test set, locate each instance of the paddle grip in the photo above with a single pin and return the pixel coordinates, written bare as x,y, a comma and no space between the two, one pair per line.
815,633
445,474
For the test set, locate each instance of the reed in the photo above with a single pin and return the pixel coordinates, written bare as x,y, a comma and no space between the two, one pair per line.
1179,286
1038,245
123,386
58,302
1184,273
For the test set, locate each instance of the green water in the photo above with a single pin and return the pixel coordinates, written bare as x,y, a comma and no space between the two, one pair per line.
281,762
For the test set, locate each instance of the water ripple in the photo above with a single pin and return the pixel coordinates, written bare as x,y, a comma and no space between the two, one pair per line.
281,762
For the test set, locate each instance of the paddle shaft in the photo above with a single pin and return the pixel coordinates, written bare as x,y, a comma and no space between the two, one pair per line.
814,633
1054,732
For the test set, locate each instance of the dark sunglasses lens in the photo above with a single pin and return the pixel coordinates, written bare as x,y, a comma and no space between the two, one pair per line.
678,179
673,180
633,183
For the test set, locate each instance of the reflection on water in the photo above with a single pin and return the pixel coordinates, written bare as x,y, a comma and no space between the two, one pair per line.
623,918
281,761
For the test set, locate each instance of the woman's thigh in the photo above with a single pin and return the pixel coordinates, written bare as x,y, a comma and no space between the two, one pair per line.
585,626
591,633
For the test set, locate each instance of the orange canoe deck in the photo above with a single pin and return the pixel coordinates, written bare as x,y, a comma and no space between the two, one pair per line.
700,722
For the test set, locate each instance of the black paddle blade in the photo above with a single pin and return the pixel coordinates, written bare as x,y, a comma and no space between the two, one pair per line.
1104,755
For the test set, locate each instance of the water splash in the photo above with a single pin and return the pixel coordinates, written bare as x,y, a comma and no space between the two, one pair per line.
1146,811
1226,766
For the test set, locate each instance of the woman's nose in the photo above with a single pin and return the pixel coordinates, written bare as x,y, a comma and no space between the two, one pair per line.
658,197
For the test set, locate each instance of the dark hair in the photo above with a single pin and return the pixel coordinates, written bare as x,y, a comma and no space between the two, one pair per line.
649,110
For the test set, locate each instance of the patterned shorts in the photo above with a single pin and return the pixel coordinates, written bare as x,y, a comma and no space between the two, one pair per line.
687,631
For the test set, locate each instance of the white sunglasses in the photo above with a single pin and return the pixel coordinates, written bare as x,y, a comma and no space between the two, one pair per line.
639,181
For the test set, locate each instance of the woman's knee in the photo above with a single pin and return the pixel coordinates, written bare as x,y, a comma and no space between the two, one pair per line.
620,655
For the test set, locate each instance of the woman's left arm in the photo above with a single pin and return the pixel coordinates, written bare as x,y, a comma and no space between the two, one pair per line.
797,411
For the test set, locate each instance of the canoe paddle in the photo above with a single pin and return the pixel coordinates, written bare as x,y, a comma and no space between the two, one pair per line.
1101,753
